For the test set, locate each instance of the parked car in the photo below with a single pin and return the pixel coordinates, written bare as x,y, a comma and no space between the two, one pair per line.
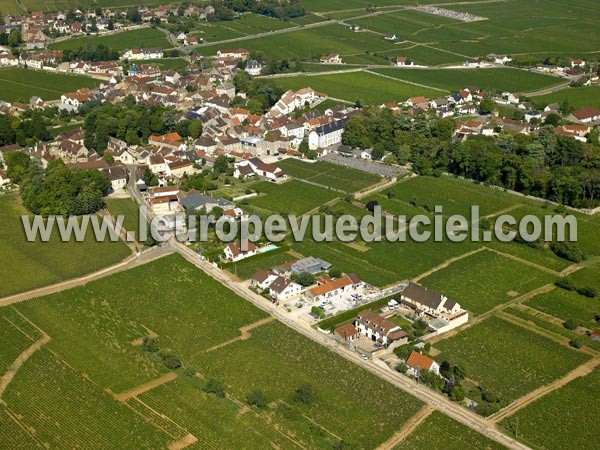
364,357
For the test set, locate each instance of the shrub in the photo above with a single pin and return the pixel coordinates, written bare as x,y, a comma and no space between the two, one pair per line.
257,398
213,386
304,394
587,291
401,367
569,251
170,361
565,283
150,344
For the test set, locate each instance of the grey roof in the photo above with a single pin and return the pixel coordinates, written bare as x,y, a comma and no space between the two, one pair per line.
198,200
309,262
422,295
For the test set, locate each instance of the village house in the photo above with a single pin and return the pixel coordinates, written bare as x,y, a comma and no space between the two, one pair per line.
236,251
310,265
254,68
4,179
332,58
585,115
283,288
402,61
378,329
263,279
197,201
117,176
76,99
136,54
337,289
326,135
238,53
418,363
346,333
257,167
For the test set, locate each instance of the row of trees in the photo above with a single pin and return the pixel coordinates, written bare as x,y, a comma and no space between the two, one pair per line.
226,9
546,165
261,94
98,53
58,189
25,130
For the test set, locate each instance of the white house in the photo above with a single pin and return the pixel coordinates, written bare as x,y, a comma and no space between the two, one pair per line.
586,115
428,301
136,54
378,329
283,288
418,363
263,278
326,135
332,58
254,68
236,251
4,180
336,289
402,61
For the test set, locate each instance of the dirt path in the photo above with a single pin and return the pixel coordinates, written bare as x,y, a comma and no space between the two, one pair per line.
21,359
522,402
407,428
446,264
524,261
143,388
245,334
184,442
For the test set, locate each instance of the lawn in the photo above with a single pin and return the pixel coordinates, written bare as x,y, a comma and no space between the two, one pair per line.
22,84
328,174
485,280
568,305
143,37
36,264
564,419
371,89
94,350
440,431
511,80
506,359
292,197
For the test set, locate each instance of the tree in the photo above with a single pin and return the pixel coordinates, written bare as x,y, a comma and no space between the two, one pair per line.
568,250
335,273
213,386
303,278
304,394
257,398
7,133
378,151
221,164
170,361
17,165
14,37
486,106
457,394
149,178
150,344
401,367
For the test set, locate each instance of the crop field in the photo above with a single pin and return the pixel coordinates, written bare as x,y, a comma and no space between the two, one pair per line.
440,431
127,208
211,33
93,354
588,276
144,37
166,63
330,175
507,359
338,405
577,97
22,84
454,195
564,419
485,280
511,80
36,264
116,317
370,88
568,305
292,197
313,43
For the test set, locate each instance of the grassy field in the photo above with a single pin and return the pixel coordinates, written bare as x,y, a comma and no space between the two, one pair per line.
562,420
327,174
94,351
489,79
485,280
568,305
292,197
577,97
22,84
36,264
144,37
440,431
370,88
507,359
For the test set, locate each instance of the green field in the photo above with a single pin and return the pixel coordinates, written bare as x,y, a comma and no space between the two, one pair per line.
22,84
144,37
564,419
245,268
127,208
328,174
568,305
370,88
36,264
577,97
506,359
292,197
440,431
511,80
485,280
64,391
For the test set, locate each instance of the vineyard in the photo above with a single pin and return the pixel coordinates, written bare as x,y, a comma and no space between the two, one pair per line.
564,419
340,388
484,280
292,197
507,359
440,431
568,306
